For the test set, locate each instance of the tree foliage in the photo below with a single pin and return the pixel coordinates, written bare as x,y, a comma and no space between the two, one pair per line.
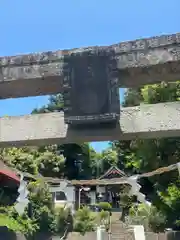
149,216
139,156
42,209
84,221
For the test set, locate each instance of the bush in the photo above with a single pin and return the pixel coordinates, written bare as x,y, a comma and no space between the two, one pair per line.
10,223
105,206
42,212
42,206
84,221
16,223
63,220
149,216
4,210
29,226
44,217
104,218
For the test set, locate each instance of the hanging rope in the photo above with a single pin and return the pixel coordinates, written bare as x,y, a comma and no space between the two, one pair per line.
22,200
135,187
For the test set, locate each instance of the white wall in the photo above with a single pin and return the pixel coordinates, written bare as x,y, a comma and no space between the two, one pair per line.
70,195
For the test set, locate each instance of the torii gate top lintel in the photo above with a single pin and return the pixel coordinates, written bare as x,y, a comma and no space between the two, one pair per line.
151,60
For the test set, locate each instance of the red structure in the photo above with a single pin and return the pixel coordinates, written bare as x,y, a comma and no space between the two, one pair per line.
9,183
8,177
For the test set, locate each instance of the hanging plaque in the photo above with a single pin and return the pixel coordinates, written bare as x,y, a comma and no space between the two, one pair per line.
90,92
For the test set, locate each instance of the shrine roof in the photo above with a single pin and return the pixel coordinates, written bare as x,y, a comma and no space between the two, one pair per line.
100,182
113,172
90,182
117,177
8,172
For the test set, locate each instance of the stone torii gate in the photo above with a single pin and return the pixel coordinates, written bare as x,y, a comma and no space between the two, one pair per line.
89,79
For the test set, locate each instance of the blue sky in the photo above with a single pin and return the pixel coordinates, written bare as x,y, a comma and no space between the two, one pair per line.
40,25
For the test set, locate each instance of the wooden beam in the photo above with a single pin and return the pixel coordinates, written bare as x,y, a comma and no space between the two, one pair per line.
145,121
138,62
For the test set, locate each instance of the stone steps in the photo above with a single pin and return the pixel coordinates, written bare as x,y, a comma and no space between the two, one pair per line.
119,231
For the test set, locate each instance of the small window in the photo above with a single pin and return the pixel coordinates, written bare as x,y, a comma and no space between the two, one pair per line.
60,196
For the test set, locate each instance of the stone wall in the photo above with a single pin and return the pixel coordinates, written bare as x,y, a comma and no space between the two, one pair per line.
5,234
155,236
88,236
163,236
149,236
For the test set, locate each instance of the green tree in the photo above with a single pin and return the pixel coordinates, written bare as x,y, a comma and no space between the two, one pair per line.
171,200
55,104
23,159
109,158
77,156
38,217
101,162
132,97
64,221
149,216
141,155
42,209
50,162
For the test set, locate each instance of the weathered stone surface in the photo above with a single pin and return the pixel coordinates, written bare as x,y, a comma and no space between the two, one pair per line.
31,72
135,63
124,47
42,129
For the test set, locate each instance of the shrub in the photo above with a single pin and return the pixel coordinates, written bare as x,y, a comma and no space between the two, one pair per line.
10,223
17,223
45,219
148,216
84,221
105,206
42,215
29,226
63,220
42,206
104,218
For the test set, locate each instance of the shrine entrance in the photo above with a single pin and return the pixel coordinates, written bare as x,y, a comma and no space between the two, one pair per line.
112,192
107,188
114,196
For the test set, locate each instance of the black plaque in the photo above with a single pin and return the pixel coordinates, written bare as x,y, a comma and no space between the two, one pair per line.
90,92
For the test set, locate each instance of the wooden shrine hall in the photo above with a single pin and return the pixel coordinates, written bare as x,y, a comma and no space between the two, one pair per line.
107,188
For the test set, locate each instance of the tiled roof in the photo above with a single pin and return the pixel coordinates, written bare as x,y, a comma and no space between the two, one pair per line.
91,182
6,171
94,182
113,170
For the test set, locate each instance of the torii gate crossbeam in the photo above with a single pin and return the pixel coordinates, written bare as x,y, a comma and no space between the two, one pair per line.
145,121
